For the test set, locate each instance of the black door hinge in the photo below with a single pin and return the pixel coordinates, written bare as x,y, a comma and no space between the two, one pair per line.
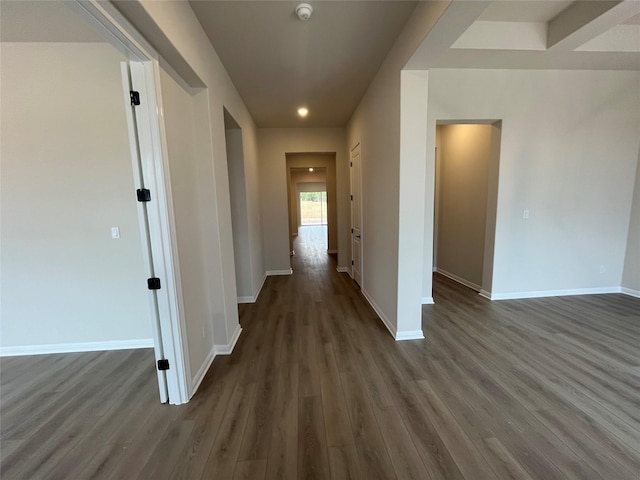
352,230
163,364
352,263
153,283
135,97
351,164
351,197
144,195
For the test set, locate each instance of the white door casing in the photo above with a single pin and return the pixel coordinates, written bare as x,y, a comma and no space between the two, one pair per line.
150,167
356,216
143,221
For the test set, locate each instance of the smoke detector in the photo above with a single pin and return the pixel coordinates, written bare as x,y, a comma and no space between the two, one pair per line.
304,11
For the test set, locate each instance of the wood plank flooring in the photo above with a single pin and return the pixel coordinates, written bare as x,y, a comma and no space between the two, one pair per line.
317,389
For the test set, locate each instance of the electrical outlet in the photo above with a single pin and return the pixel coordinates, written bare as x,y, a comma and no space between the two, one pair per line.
203,333
115,232
525,214
602,269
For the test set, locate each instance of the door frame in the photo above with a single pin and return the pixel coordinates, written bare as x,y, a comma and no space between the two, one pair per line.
116,30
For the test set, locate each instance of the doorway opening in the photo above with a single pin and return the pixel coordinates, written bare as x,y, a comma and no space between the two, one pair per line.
311,188
239,216
101,293
466,194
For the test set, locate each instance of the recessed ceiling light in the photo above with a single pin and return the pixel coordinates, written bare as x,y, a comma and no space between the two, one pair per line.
310,169
302,111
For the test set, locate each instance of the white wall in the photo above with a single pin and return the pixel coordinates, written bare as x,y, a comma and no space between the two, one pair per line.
393,170
568,155
66,180
631,276
274,144
172,27
191,174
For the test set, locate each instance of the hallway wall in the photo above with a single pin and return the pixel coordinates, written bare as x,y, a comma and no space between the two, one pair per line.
191,177
389,123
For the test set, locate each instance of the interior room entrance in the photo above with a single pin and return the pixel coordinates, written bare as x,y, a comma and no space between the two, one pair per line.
311,188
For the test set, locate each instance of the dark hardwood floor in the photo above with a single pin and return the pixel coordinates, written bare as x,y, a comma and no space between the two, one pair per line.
317,388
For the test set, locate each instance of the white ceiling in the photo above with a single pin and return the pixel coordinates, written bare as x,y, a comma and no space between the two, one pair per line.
523,34
279,63
523,10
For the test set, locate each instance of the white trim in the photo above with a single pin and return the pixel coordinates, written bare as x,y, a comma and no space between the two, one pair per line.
227,349
555,293
215,351
397,336
458,279
197,379
76,347
409,335
271,273
383,317
428,301
156,172
253,298
485,293
154,318
630,291
343,270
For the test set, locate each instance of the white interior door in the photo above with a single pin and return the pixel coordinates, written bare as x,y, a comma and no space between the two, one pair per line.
356,216
143,215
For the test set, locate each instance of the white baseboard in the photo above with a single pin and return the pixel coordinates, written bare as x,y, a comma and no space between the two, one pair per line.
76,347
409,335
228,348
555,293
271,273
382,316
332,251
254,298
485,293
343,269
398,336
215,351
630,291
202,371
427,301
460,280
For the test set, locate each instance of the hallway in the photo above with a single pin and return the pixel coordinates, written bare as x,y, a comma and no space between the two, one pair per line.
317,388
